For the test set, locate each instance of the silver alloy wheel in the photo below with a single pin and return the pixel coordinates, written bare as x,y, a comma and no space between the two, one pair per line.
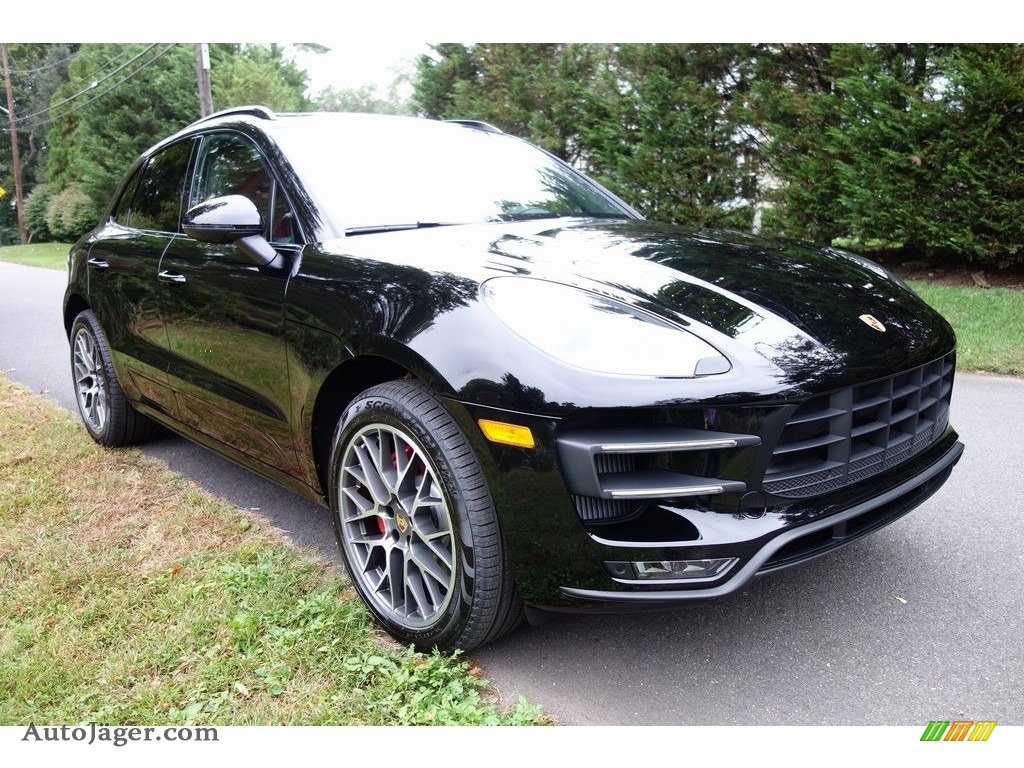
396,526
90,382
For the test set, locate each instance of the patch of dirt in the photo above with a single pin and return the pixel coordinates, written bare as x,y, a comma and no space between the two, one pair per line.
954,273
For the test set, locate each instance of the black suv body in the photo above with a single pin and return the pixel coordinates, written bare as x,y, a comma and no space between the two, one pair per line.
508,386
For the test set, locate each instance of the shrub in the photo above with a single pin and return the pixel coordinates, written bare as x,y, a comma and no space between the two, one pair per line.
70,213
36,205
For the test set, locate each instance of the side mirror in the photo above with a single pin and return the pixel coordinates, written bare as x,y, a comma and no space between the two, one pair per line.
231,219
223,220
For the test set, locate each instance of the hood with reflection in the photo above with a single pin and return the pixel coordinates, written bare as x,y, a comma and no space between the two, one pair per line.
797,306
766,304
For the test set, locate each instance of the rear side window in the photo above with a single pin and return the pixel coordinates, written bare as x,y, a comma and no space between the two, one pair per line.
157,201
123,211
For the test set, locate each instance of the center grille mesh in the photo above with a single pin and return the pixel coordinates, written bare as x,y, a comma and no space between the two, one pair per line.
850,435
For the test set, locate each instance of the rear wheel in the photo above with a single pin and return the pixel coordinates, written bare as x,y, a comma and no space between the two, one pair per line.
415,522
105,411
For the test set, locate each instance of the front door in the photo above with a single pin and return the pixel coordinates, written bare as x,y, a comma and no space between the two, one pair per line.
225,317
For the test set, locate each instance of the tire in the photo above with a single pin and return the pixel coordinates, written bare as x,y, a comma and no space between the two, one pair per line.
415,522
108,416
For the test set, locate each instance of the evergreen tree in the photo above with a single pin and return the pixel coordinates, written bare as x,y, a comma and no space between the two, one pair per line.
120,99
36,70
667,128
976,196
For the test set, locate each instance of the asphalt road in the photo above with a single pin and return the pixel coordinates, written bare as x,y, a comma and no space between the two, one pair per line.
922,621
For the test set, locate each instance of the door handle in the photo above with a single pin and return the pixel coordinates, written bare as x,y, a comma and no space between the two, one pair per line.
98,263
172,277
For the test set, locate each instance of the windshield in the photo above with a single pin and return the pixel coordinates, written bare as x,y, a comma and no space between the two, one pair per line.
372,173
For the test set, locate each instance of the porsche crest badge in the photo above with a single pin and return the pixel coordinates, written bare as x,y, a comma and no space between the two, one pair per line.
873,323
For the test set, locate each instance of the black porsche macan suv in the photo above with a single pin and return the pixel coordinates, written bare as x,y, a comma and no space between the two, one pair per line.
509,388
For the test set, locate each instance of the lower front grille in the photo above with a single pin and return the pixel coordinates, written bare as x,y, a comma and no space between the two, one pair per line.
852,434
824,540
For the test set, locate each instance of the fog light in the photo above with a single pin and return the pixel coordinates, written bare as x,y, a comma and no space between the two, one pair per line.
688,570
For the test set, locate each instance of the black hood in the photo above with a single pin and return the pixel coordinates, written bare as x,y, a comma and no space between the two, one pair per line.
810,311
812,315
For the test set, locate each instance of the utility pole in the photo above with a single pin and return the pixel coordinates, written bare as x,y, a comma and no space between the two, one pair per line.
15,157
203,77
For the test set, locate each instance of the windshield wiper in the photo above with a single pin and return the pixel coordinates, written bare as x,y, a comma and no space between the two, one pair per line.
541,215
375,228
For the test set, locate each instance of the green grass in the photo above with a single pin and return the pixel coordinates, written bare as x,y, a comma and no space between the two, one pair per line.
49,255
989,324
128,596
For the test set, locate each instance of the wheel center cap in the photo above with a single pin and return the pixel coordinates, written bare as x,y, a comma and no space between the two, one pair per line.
402,523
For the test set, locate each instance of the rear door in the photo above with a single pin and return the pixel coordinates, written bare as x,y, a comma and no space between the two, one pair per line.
124,267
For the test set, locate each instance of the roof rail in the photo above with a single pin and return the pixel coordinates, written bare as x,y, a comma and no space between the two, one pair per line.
256,110
479,124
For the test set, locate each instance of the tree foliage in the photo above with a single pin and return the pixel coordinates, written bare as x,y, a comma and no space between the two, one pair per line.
37,202
36,70
366,98
70,213
977,174
113,121
666,129
904,145
916,146
536,91
112,101
254,74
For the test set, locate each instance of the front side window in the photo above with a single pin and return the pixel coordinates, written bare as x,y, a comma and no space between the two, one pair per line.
157,201
229,165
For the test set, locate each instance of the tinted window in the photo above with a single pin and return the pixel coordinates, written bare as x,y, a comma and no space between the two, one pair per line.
123,210
229,165
283,230
157,203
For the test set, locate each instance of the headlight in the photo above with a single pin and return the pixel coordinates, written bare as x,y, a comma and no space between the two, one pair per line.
597,333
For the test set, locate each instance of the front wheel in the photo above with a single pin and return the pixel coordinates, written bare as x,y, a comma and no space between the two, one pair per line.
415,522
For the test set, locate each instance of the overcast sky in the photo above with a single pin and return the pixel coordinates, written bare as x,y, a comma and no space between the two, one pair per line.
350,65
382,34
397,22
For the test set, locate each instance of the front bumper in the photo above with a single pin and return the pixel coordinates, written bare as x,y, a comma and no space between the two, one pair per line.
788,545
685,501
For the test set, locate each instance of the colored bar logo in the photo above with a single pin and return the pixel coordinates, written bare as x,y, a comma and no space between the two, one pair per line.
958,730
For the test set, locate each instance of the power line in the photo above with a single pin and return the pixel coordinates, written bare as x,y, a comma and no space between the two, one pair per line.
94,84
77,107
42,68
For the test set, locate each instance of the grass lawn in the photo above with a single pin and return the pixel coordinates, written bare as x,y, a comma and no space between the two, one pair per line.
129,596
49,255
989,324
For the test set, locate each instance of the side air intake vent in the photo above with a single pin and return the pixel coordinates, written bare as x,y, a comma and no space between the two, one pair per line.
609,470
